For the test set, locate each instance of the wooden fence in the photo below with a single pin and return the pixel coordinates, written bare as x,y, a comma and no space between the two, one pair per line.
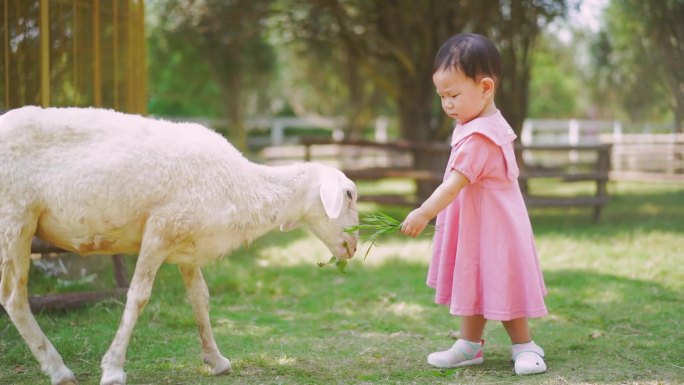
367,160
647,156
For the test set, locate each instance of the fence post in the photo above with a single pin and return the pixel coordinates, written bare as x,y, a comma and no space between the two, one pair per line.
277,132
44,53
526,138
573,139
381,124
617,145
6,50
602,169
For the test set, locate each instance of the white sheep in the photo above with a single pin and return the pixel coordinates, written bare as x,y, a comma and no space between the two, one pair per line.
95,181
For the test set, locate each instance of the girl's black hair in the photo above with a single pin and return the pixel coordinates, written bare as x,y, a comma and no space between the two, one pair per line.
473,54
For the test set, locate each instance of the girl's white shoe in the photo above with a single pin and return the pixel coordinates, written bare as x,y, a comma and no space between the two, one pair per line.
528,358
462,353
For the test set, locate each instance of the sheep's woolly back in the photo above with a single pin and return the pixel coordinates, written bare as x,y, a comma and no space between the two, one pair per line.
98,172
100,182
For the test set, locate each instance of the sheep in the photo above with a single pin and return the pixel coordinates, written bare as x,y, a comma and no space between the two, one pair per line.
97,181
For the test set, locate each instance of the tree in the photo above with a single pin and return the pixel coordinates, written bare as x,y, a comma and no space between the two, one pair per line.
180,81
323,76
554,85
394,43
231,38
515,26
640,54
353,53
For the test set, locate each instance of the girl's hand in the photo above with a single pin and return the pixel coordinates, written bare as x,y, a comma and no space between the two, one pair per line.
418,219
415,222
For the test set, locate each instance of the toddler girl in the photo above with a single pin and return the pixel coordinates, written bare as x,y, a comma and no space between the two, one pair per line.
484,263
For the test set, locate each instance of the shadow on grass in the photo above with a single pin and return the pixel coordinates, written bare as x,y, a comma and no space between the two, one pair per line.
656,210
376,323
651,210
93,273
309,325
605,328
602,328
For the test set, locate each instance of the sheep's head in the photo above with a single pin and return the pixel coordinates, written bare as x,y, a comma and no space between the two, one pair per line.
329,209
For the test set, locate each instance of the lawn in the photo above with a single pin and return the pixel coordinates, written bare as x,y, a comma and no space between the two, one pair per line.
616,302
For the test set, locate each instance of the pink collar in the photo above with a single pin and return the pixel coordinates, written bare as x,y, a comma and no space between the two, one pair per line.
494,127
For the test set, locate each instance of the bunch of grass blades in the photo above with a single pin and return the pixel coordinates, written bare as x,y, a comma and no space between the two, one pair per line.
371,228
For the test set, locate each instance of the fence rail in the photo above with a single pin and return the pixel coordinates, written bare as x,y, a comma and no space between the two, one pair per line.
366,160
647,156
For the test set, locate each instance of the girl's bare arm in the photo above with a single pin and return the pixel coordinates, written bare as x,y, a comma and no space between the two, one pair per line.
417,220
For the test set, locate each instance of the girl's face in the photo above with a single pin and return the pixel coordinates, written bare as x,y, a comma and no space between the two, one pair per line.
463,98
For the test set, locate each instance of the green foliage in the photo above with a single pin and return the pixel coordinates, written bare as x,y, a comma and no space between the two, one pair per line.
615,292
341,264
554,85
180,82
356,59
377,225
638,59
226,43
361,59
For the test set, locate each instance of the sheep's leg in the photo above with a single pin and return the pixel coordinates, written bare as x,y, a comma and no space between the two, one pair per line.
199,297
15,252
138,294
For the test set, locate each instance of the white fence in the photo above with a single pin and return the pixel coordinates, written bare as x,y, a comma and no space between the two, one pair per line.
567,131
276,127
648,155
572,132
645,156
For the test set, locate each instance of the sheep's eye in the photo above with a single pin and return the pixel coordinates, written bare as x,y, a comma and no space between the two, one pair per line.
349,194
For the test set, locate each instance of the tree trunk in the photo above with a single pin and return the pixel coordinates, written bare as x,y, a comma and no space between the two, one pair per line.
516,49
357,99
678,110
415,102
236,124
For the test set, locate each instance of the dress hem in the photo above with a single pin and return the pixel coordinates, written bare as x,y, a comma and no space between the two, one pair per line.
494,315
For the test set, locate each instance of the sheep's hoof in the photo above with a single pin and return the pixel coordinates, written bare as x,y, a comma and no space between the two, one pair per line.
223,367
114,377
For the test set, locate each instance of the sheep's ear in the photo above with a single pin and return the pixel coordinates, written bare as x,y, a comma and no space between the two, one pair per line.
332,197
289,226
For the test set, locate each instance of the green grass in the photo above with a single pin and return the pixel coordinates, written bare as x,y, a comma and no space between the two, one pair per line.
616,302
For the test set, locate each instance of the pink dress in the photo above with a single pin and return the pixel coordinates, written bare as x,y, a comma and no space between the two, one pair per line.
484,260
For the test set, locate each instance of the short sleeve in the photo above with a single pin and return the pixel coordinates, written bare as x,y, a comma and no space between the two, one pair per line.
470,157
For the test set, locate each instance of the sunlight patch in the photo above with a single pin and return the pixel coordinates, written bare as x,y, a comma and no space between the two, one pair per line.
285,360
410,250
406,309
650,209
604,296
225,325
309,249
304,250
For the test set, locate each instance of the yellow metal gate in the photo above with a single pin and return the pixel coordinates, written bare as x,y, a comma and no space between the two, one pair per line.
73,53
